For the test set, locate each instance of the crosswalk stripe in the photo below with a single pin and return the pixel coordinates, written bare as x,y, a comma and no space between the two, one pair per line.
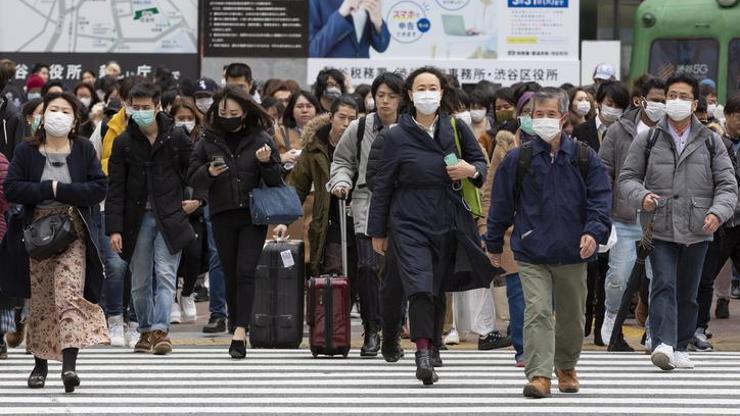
206,381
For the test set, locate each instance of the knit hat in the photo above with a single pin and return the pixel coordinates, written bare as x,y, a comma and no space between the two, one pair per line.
34,81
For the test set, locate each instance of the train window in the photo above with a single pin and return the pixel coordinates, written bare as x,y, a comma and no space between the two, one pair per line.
733,69
698,57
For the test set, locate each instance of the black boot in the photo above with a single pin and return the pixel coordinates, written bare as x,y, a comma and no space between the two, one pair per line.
37,379
436,357
69,369
238,349
371,346
424,368
391,349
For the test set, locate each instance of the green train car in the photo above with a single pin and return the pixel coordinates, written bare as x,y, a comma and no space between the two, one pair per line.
701,37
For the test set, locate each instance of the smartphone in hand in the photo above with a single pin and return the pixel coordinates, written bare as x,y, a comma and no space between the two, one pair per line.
451,160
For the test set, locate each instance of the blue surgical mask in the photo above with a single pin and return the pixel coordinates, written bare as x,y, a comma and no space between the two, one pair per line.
35,123
33,95
525,123
143,118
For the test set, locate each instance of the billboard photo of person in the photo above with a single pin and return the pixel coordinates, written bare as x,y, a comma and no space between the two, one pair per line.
346,28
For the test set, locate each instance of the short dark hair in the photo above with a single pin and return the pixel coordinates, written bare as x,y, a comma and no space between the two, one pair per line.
520,89
685,78
617,91
93,96
323,77
146,89
506,94
733,105
391,80
701,106
646,85
458,99
445,104
362,90
91,72
288,119
53,83
256,116
128,84
480,98
36,68
30,106
238,70
270,102
344,100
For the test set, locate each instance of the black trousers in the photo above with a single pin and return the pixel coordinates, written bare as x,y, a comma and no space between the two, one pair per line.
192,259
239,245
392,298
427,317
368,282
595,308
726,245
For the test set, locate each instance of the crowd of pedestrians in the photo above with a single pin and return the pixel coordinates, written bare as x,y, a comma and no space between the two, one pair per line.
126,200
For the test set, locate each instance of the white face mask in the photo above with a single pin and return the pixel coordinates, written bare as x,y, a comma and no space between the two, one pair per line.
427,102
58,124
86,101
655,111
547,128
711,108
204,104
189,125
369,105
478,115
583,107
33,95
678,109
465,117
610,114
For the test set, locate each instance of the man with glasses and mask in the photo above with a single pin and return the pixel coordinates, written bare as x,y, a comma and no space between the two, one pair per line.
682,165
649,111
555,192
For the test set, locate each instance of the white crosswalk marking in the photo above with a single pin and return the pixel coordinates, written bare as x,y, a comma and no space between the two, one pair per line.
206,381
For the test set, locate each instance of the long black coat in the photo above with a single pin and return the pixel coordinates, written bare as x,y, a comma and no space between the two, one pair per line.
139,172
431,233
23,186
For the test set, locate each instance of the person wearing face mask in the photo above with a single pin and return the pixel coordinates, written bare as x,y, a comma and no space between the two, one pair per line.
146,211
421,167
480,123
681,171
560,212
612,98
33,113
205,88
581,107
329,85
86,96
55,172
235,147
650,98
34,85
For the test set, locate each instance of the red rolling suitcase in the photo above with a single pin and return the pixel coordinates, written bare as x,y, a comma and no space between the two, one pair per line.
328,305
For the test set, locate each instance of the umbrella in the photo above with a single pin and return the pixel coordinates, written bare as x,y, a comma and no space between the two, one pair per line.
644,248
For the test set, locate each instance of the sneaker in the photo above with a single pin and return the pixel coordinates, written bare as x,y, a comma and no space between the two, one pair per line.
494,340
663,357
189,313
161,344
699,342
722,311
216,325
735,291
115,331
200,294
608,326
355,312
175,314
132,334
681,360
452,337
144,344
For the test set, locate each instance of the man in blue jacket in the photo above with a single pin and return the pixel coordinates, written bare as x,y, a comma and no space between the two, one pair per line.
346,28
556,193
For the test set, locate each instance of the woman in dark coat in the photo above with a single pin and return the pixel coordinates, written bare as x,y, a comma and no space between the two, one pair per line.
418,213
56,172
234,155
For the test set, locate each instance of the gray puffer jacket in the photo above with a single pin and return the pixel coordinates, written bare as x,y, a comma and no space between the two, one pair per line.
613,152
692,184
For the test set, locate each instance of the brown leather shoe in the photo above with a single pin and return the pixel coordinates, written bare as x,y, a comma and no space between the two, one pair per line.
160,343
538,388
568,381
144,344
15,339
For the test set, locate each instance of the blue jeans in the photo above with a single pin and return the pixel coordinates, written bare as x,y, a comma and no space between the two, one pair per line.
115,271
675,283
515,296
152,257
216,278
621,261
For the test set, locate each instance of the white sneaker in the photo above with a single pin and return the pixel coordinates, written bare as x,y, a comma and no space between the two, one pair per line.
189,313
175,314
115,331
607,327
132,334
452,338
681,360
355,312
663,357
648,343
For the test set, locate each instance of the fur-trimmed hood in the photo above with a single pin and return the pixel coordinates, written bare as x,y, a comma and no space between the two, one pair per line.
312,128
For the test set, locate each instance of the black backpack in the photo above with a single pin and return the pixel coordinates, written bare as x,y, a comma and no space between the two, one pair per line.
524,164
653,137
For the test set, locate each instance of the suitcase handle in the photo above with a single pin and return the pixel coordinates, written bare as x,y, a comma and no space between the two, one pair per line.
343,231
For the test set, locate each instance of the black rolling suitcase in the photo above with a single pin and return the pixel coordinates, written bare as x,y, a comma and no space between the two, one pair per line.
277,311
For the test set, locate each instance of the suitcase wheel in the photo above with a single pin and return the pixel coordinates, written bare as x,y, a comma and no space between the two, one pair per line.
314,352
345,352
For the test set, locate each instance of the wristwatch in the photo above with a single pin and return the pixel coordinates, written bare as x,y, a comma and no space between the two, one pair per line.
476,175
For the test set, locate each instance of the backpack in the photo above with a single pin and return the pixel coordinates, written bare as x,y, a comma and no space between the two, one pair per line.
653,137
360,135
524,163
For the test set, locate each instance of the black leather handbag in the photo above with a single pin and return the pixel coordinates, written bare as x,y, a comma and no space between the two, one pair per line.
48,236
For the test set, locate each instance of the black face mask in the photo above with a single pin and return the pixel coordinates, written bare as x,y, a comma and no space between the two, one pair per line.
228,123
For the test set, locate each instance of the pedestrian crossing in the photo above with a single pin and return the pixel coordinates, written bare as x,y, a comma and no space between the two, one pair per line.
206,381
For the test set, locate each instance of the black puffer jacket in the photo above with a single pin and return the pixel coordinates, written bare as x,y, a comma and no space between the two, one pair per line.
230,190
139,172
12,128
376,153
